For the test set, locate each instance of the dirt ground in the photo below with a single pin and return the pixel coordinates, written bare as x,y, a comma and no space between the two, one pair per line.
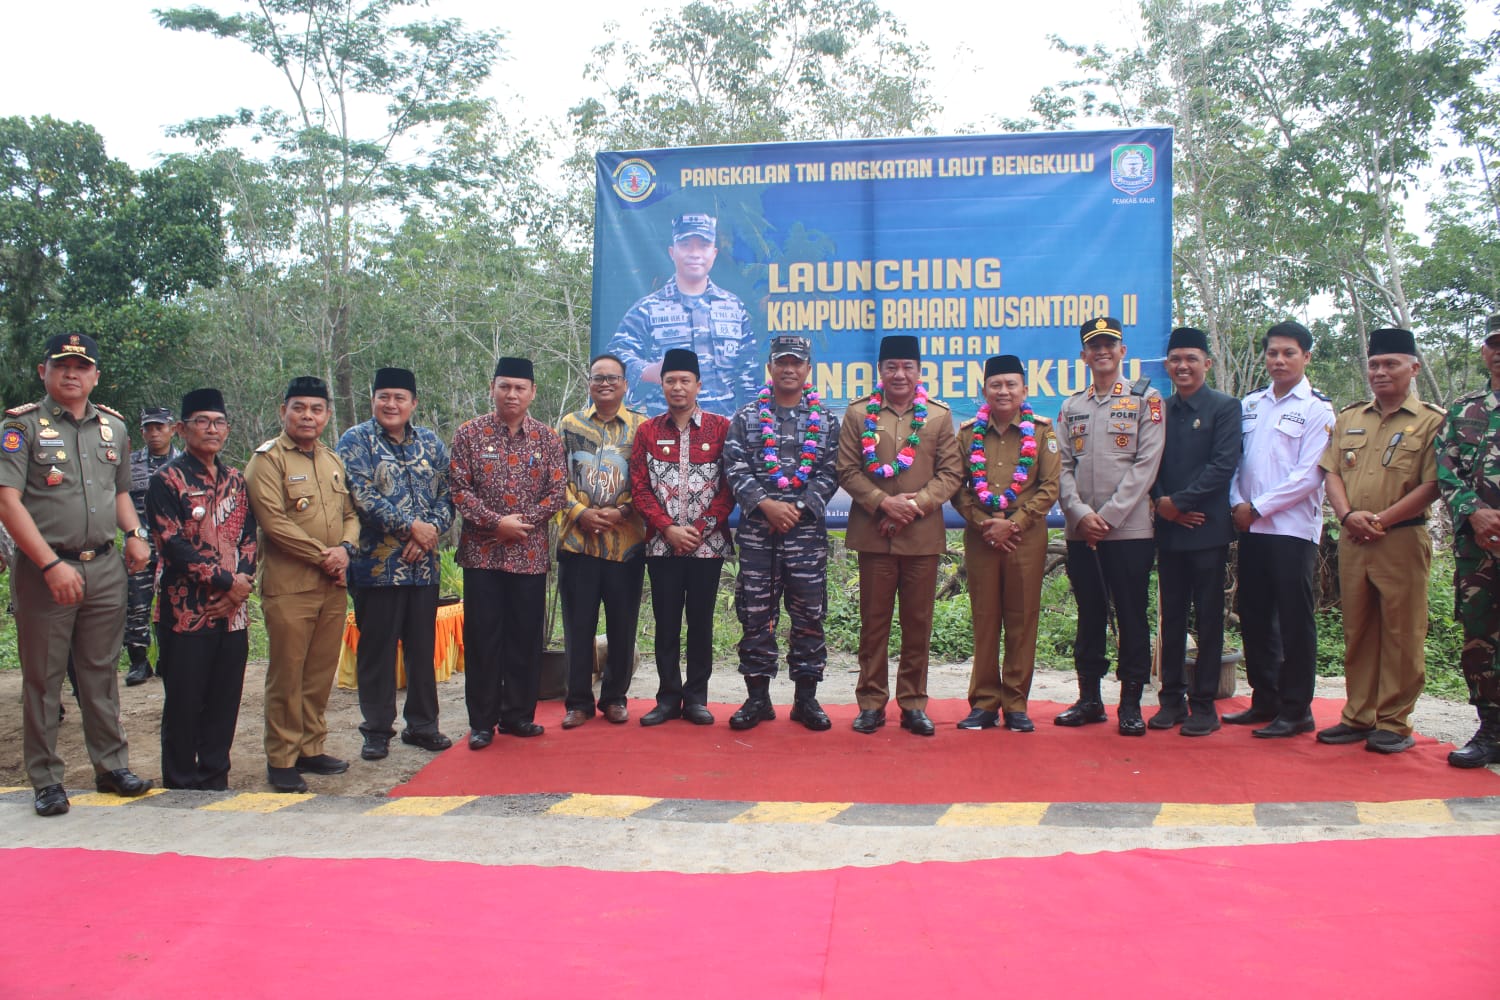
1451,722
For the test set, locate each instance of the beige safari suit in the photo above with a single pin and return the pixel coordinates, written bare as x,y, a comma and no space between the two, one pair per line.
1383,583
302,506
88,463
906,563
1007,588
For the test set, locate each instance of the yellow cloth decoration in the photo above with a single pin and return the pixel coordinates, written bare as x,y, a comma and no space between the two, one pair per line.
447,649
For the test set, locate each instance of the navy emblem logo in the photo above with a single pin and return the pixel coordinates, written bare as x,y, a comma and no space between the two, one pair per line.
634,180
1132,167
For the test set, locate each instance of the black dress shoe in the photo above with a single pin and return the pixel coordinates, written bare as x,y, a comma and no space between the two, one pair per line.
433,742
1341,734
661,713
1081,714
1251,716
1385,741
139,673
1282,728
1169,715
698,715
1131,722
525,730
1019,722
481,738
285,779
868,720
322,764
376,747
979,718
51,800
121,782
917,721
806,710
1200,724
1478,752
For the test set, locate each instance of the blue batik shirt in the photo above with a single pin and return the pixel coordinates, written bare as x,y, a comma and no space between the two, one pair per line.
395,483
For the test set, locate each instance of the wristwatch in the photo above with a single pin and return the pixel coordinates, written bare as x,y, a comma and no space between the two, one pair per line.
140,533
801,508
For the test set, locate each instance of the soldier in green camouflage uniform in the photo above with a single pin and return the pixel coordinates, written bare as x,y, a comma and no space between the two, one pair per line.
1469,477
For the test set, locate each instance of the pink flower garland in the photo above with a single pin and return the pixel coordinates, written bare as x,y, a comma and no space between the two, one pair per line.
977,475
868,439
772,453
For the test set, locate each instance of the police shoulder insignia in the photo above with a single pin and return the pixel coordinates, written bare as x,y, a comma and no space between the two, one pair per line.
1154,402
114,413
16,411
267,446
1320,395
12,440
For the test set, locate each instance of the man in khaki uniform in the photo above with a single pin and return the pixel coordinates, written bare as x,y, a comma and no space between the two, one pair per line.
1005,541
898,460
308,529
64,488
1381,476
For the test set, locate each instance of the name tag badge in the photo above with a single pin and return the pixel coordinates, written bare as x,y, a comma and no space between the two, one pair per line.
296,479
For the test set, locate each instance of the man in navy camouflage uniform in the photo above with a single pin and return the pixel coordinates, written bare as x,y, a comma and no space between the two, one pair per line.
157,427
692,313
1468,457
782,539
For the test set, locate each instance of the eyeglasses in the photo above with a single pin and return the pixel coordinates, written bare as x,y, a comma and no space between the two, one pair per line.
208,423
606,379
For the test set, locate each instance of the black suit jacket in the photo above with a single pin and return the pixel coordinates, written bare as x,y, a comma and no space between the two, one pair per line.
1201,454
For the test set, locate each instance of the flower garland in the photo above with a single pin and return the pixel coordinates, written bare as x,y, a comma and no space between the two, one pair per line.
908,453
768,439
987,497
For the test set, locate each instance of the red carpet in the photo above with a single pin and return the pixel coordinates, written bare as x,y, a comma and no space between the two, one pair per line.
780,761
1291,920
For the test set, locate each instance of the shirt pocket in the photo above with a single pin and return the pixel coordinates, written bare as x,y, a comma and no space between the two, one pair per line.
301,500
1403,455
1353,453
1286,441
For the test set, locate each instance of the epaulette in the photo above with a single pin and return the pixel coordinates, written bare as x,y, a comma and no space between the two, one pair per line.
24,408
1354,405
1259,388
1043,421
1319,395
1140,386
114,413
1435,408
938,402
967,423
267,446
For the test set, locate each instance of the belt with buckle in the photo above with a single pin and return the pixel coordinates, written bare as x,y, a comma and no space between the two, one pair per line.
87,555
1410,522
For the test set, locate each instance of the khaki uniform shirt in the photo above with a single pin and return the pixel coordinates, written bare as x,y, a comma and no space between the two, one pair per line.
1002,448
67,471
1381,459
302,506
1111,446
934,476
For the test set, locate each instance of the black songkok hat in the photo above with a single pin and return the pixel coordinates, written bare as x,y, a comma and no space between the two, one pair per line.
306,385
394,378
515,368
1188,336
1392,340
1104,326
900,347
679,360
1003,364
205,400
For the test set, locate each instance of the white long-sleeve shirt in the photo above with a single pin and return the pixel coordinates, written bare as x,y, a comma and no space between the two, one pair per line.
1278,474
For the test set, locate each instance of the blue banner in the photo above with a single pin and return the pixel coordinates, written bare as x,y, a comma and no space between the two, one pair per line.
978,245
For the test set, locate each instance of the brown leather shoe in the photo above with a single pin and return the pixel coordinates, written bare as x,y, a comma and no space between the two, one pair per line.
617,713
574,718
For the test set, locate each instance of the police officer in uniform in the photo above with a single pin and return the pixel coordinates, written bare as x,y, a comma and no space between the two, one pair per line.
1469,477
157,424
308,530
1012,482
691,313
1112,438
1380,471
1193,531
64,489
779,460
898,460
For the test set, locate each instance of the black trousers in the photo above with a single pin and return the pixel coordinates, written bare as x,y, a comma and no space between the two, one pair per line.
385,616
583,582
1195,579
1277,608
1117,573
203,678
681,583
503,618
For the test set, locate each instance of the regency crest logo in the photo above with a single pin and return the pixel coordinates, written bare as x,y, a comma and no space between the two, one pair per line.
1132,167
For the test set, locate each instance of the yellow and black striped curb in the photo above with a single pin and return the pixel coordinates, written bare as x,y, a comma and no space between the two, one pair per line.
1108,815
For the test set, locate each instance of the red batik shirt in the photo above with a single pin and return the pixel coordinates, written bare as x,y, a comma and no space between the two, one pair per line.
205,534
677,477
494,473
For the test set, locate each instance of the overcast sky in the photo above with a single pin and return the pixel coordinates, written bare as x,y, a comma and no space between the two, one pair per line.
107,63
